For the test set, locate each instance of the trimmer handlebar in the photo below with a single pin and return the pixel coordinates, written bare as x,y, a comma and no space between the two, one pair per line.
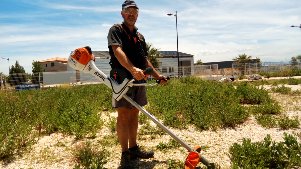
149,70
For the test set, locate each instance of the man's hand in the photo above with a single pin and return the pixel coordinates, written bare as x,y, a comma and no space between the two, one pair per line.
138,74
162,80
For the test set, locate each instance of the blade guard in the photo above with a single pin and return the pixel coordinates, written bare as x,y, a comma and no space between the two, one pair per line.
192,160
81,60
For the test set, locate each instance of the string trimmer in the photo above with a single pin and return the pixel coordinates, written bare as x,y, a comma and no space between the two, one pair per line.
81,60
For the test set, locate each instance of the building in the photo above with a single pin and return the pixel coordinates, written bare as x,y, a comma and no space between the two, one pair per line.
220,65
168,63
56,64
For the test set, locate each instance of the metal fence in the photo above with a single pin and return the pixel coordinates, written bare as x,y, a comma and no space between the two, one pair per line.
211,72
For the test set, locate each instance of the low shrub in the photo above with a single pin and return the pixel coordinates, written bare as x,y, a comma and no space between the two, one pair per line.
15,124
267,108
287,123
68,110
267,154
89,158
266,120
174,164
190,100
169,145
281,89
250,94
293,81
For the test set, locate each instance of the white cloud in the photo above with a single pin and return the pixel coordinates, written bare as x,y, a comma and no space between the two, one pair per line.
212,30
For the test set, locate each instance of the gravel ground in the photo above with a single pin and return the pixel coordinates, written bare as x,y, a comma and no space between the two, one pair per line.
55,151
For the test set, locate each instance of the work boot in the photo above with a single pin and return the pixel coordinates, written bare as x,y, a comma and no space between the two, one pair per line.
125,162
136,152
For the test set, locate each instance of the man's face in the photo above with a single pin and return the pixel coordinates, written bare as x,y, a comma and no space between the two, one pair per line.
130,15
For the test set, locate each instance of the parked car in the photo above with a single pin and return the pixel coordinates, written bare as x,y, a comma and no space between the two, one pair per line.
27,86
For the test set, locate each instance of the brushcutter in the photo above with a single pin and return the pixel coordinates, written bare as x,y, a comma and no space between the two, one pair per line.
80,59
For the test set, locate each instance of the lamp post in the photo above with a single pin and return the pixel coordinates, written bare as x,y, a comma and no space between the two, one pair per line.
296,26
176,15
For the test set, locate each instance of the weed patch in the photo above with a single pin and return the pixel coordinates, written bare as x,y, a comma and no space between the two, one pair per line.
89,158
267,154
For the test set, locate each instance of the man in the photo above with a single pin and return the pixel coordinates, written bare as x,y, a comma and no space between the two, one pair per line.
128,53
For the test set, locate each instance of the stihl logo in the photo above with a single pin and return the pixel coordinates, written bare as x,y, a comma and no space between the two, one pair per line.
99,75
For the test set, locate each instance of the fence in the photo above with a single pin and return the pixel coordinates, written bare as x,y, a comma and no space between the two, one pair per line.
211,72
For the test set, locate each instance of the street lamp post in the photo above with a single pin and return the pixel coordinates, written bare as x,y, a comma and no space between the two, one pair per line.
176,15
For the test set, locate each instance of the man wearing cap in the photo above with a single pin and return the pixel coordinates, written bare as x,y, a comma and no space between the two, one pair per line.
128,53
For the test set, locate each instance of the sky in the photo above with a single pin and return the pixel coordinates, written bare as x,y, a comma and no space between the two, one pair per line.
211,30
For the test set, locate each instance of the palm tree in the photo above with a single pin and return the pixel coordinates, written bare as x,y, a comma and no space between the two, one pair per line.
241,62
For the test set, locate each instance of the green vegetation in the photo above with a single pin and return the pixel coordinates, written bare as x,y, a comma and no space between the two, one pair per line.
208,104
267,121
283,122
267,154
89,158
287,123
67,110
281,89
174,164
169,145
24,115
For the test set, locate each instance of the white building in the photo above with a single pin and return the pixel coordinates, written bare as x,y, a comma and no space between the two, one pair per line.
168,66
168,63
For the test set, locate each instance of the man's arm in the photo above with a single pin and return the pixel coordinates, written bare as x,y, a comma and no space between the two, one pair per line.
155,73
126,63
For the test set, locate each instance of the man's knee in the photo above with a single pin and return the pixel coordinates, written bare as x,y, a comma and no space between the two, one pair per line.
127,114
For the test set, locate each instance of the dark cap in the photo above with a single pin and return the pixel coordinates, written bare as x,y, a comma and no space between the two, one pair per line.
128,3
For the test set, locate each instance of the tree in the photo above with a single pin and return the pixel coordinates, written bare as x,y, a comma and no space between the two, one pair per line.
153,54
199,62
299,58
16,69
17,74
294,61
243,60
37,76
36,67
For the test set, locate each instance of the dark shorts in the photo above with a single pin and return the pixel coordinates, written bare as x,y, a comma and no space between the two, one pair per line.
137,93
